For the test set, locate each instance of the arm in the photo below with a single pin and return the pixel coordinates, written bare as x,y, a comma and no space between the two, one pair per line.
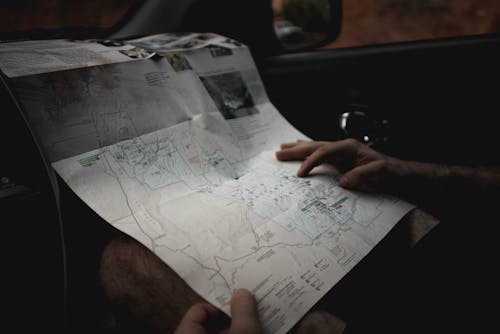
365,169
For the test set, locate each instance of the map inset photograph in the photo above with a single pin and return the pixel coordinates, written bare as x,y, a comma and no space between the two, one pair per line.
219,51
178,62
230,94
138,53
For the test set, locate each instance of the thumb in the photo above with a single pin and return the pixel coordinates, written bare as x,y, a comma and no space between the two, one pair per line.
245,318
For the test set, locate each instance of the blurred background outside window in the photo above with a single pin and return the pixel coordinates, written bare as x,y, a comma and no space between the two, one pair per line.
365,22
368,22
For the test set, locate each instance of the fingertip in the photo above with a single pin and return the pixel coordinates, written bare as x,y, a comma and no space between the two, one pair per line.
287,145
242,293
243,302
242,298
304,169
245,318
345,182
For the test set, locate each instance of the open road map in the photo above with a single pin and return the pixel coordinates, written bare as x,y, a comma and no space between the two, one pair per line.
177,151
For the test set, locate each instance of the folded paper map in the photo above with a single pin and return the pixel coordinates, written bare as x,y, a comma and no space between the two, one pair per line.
171,138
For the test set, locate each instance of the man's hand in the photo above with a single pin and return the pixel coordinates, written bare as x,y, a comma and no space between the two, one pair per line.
244,316
364,168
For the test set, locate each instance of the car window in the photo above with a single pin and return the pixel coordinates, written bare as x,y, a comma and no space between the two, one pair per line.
368,22
364,22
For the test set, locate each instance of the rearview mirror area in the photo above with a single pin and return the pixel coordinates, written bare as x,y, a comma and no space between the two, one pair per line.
306,24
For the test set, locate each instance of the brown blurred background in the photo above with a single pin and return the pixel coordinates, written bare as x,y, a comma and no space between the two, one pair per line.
365,22
386,21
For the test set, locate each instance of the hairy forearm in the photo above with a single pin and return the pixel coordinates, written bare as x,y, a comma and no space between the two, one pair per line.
435,185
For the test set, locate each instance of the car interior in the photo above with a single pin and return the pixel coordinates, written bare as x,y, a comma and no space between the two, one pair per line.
432,100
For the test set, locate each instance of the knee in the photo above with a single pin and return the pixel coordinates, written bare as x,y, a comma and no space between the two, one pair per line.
141,288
